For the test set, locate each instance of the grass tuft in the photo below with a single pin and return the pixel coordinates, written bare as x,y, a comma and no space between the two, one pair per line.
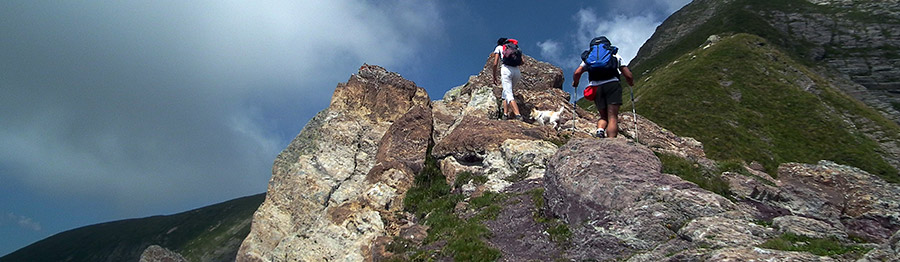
817,246
432,201
710,180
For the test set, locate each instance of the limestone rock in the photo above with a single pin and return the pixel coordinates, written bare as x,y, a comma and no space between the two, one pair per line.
889,251
659,139
331,185
529,157
156,253
761,254
841,200
721,232
866,205
807,227
473,137
616,201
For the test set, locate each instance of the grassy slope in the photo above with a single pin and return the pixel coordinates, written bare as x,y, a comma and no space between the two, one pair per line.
741,16
740,98
200,234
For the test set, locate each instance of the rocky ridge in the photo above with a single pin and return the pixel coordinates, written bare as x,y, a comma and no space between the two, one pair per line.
334,187
338,190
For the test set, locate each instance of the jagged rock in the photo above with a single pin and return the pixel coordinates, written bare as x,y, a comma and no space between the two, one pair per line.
616,201
528,156
760,254
476,145
156,253
721,232
807,227
473,137
843,200
325,200
536,76
661,140
540,88
444,118
889,251
866,205
482,104
517,233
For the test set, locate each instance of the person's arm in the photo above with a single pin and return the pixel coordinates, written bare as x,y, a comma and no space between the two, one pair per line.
627,74
494,68
577,76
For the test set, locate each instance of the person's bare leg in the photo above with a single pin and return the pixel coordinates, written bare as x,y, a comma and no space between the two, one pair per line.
613,118
601,124
515,108
505,108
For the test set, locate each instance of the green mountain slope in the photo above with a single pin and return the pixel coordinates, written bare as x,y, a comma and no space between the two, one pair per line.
746,100
688,28
211,233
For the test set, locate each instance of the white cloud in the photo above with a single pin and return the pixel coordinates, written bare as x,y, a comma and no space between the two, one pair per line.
164,105
627,33
23,222
552,51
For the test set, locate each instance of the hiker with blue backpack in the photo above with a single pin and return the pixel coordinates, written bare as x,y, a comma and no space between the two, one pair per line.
508,56
604,65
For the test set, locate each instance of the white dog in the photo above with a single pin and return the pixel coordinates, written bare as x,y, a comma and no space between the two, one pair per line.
545,117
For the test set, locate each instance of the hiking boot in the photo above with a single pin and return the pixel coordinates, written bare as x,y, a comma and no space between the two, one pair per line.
519,117
600,133
504,117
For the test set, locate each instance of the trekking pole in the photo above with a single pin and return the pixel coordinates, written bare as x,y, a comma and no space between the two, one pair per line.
574,110
634,114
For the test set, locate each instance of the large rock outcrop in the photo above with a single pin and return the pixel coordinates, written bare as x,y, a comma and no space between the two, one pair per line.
337,191
332,186
617,203
469,137
827,199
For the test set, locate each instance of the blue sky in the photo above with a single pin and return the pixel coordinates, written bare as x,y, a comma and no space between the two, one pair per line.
122,109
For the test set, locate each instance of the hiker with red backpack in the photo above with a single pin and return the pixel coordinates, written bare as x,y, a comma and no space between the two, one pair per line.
508,56
603,64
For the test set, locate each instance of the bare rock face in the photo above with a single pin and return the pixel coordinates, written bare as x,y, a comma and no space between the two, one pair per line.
759,254
659,139
350,165
808,227
616,201
863,203
156,253
824,200
474,136
889,251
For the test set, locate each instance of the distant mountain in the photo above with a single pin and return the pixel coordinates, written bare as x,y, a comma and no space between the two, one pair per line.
211,233
770,81
855,43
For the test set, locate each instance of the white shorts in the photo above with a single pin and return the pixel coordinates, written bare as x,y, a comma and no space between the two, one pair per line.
509,76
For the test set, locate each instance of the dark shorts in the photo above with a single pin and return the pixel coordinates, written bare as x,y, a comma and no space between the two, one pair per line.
608,94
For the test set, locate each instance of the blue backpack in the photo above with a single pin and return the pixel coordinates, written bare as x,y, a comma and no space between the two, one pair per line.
600,59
